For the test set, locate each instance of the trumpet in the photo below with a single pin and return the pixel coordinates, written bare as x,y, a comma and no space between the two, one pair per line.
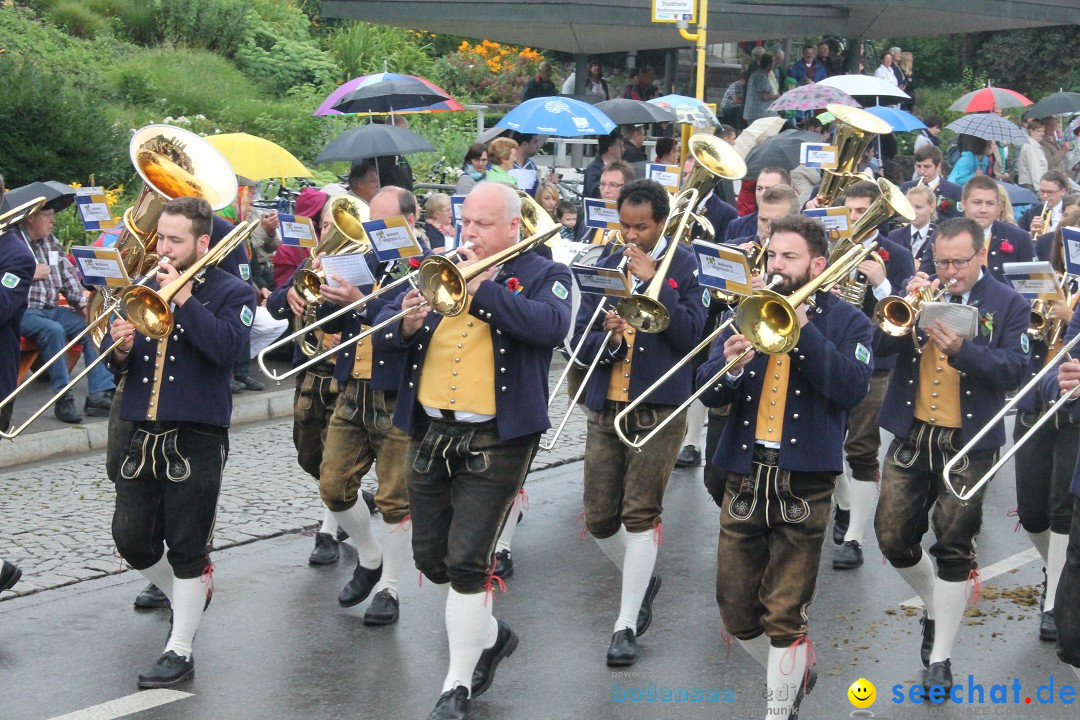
1045,217
769,321
965,493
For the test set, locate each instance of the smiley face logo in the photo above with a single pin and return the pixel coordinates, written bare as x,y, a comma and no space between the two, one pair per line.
862,693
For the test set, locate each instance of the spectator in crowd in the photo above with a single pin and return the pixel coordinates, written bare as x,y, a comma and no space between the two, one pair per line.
809,70
731,105
363,180
540,85
472,169
929,136
780,69
438,220
833,64
633,143
525,169
641,86
548,196
667,151
501,155
1073,161
973,161
51,325
1052,146
609,149
1034,162
761,90
897,72
906,65
595,84
394,169
566,213
885,69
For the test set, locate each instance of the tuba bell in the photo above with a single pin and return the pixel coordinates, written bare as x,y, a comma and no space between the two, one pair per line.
856,129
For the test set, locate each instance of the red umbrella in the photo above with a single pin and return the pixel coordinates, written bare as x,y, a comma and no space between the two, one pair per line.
989,99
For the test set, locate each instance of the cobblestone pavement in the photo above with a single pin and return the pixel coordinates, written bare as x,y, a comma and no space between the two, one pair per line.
58,514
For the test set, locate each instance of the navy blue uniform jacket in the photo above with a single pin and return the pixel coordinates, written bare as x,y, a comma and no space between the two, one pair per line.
944,189
899,268
990,365
830,374
525,328
902,237
654,353
17,266
1051,389
1022,250
740,228
196,359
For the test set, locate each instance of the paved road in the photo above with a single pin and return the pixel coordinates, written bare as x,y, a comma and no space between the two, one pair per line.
275,644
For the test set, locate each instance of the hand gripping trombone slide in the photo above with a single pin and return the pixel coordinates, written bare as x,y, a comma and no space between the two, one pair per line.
965,494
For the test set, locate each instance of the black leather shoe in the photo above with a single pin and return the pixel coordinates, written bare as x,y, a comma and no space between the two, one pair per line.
504,647
383,610
927,639
1047,626
841,520
504,564
251,383
9,575
849,557
170,669
804,690
236,386
65,410
689,457
453,705
623,649
939,673
151,598
99,405
357,589
644,616
326,550
369,500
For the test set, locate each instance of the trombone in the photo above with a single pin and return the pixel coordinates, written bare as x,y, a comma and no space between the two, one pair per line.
769,321
965,494
16,215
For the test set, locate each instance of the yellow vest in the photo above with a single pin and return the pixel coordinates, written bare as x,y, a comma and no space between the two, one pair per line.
459,370
770,412
619,384
938,399
361,368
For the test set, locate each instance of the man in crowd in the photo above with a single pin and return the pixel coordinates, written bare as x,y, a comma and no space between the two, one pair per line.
747,224
540,85
609,149
928,160
809,70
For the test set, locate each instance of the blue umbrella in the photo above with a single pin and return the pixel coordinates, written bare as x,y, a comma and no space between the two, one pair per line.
901,120
557,116
1019,195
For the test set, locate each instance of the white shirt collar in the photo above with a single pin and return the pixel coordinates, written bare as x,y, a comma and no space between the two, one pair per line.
934,183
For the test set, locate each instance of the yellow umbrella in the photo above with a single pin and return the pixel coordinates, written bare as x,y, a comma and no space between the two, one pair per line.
257,158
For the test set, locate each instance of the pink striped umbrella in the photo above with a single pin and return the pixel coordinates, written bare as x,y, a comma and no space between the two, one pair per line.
812,97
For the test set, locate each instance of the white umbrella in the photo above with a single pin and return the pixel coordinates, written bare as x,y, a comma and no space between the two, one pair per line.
757,131
865,86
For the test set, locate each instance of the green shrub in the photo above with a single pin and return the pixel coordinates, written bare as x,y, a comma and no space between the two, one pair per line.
278,50
217,25
78,20
363,48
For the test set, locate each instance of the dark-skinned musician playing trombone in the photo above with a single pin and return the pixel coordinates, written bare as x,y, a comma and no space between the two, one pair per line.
624,488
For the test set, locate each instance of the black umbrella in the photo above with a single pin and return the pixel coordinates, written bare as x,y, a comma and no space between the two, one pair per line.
1060,103
779,151
389,95
371,141
623,111
57,195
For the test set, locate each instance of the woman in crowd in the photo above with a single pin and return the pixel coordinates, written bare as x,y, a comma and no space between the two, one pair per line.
473,169
438,220
973,161
501,155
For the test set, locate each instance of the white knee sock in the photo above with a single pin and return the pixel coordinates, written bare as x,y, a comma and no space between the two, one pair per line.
329,523
443,588
468,627
841,495
397,555
695,423
357,522
188,601
863,498
161,574
507,535
950,600
758,648
638,564
1076,670
1041,541
785,671
614,547
920,577
1055,564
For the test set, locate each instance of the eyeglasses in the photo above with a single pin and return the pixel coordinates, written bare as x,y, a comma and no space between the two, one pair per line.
958,264
1058,191
612,185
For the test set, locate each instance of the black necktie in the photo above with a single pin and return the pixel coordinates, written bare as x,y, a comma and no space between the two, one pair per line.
958,299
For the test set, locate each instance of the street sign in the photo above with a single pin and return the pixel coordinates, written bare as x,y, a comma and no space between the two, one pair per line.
669,11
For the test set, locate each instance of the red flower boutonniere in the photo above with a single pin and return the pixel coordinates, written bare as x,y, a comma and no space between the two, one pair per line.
414,263
945,205
514,286
1007,247
883,254
674,285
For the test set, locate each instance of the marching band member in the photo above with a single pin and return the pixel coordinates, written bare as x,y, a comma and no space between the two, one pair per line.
937,399
17,265
863,437
1053,187
473,401
624,489
767,178
361,432
168,484
612,180
1004,242
917,237
946,195
781,458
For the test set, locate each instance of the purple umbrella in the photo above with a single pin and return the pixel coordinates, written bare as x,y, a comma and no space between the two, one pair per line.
812,97
327,105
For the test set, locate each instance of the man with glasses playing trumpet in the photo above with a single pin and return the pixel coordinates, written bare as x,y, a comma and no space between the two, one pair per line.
473,400
782,449
167,487
624,488
941,393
